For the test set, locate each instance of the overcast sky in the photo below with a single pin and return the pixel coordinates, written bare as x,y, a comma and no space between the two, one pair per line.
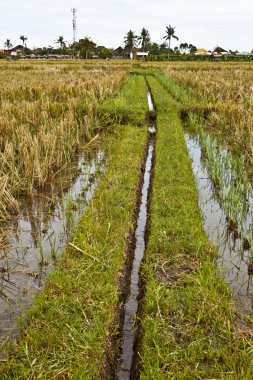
204,23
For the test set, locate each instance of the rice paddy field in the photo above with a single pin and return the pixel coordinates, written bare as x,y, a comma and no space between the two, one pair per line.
228,89
126,220
47,111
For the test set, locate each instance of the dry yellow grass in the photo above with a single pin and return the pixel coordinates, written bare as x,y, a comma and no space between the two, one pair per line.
229,86
47,111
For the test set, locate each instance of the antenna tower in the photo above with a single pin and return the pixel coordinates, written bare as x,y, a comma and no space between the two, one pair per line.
74,11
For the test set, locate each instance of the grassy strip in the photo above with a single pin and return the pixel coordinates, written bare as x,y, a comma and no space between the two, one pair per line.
189,323
181,94
70,321
129,104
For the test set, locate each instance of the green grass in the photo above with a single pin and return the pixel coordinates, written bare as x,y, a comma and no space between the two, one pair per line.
70,321
189,322
130,104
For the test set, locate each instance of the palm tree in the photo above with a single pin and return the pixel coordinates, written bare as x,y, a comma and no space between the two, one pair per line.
144,39
23,38
170,32
61,42
8,44
130,39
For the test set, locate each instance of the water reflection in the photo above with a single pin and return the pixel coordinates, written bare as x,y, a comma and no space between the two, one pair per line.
39,234
232,259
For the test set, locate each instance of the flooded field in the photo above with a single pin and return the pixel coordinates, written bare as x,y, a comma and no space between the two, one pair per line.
39,234
234,253
140,292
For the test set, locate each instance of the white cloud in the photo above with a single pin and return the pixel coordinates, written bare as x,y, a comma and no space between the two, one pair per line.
204,23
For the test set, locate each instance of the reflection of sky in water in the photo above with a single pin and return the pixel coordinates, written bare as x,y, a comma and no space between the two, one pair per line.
38,235
231,261
132,302
150,102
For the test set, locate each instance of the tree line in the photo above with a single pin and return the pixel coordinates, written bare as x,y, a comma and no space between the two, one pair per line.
87,48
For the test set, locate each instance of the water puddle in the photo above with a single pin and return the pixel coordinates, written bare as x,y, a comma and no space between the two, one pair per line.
233,258
131,305
38,236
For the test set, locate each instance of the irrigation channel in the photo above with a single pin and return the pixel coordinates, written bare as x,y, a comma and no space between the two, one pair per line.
39,234
130,324
233,259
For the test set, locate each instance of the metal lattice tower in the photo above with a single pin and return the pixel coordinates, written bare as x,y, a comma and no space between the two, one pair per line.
74,11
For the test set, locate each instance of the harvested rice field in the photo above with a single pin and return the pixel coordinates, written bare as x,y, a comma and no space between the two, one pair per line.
126,209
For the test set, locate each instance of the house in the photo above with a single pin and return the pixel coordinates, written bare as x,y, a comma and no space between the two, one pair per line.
127,52
5,52
18,49
118,53
243,53
142,54
215,56
121,52
202,52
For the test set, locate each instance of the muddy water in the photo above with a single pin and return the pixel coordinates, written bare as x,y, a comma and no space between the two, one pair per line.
131,305
232,259
36,238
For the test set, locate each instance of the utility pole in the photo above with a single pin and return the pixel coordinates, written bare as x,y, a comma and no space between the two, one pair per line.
74,11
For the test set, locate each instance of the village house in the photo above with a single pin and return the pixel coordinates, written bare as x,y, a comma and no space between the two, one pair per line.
121,52
129,53
19,49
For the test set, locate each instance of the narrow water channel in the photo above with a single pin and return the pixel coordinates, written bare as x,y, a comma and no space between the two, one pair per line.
232,259
38,236
132,302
